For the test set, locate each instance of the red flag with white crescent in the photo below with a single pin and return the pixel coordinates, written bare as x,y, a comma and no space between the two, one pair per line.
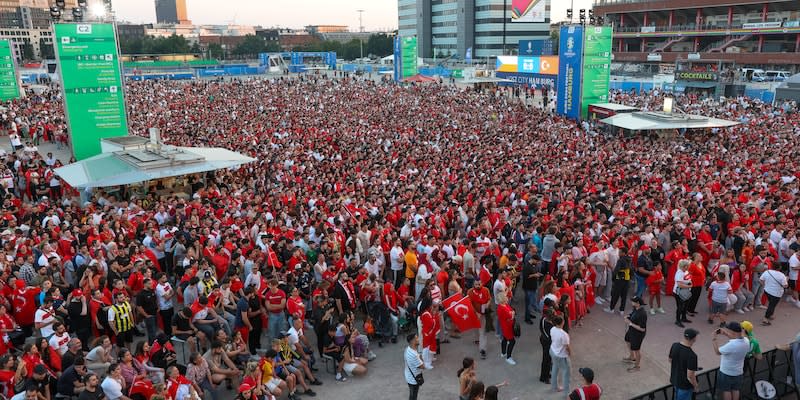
461,312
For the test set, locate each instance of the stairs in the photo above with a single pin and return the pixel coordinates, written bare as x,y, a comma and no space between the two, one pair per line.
667,45
728,43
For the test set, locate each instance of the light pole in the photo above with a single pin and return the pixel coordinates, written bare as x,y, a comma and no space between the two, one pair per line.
361,30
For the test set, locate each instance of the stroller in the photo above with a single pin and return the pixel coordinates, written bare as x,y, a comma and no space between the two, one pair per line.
381,321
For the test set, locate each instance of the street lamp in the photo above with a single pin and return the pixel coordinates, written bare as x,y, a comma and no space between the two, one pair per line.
55,13
77,14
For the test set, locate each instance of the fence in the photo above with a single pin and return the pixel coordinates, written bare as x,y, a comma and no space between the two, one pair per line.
775,367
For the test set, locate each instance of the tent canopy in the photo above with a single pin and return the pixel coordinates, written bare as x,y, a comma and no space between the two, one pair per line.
419,78
128,167
645,121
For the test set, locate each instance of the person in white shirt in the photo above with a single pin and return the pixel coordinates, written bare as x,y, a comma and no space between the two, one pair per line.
413,365
774,283
794,271
374,265
45,317
254,278
60,339
560,351
424,272
396,259
165,294
731,363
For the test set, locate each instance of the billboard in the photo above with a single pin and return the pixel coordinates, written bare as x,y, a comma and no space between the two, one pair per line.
529,10
540,47
531,80
397,58
9,85
596,66
408,56
90,74
547,65
570,62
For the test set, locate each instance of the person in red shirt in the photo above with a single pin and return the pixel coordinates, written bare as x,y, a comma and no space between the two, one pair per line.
505,316
275,302
697,273
24,303
429,326
589,390
479,296
295,305
7,326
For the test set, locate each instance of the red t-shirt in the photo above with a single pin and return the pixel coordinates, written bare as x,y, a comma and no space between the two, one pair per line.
24,303
274,298
591,392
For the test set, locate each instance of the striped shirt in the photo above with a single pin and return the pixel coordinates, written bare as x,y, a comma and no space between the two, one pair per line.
413,365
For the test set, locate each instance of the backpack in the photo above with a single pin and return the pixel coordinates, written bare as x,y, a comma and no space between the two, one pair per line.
102,316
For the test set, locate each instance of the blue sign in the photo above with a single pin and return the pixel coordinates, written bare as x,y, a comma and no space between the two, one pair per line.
468,57
530,80
570,64
397,58
263,59
539,47
528,65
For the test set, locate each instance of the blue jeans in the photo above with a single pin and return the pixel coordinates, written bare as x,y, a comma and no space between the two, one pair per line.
683,394
276,324
560,364
151,325
530,303
640,285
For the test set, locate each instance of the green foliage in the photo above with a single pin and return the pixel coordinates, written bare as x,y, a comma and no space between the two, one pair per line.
252,45
378,45
156,45
554,36
215,50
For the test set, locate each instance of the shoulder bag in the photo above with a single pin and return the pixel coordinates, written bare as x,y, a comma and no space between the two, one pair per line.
418,378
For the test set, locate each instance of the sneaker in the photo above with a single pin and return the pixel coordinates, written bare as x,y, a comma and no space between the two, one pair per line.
797,304
739,312
340,377
661,310
652,311
310,392
599,300
511,361
502,355
762,307
608,310
622,313
371,356
316,382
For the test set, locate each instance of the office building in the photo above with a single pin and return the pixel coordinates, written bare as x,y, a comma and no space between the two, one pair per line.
448,28
746,32
26,23
172,12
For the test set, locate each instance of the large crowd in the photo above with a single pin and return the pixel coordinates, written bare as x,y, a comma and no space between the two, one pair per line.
369,204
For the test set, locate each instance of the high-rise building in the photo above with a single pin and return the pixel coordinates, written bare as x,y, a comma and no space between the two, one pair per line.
450,27
26,23
172,12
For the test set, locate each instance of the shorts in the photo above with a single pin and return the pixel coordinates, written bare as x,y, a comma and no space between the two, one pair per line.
126,337
635,339
602,276
291,368
793,284
273,384
282,374
654,290
727,383
349,367
718,308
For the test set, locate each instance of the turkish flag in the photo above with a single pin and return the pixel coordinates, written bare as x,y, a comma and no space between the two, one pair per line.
461,312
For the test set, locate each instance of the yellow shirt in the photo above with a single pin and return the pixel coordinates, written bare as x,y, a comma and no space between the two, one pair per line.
411,264
266,372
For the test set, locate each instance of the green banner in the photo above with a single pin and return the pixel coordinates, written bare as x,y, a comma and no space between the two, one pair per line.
596,67
92,83
9,86
409,56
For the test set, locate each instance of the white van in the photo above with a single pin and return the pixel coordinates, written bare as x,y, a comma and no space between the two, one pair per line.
749,74
776,76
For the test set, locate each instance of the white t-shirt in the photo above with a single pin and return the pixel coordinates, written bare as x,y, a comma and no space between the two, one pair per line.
112,388
719,291
294,336
396,257
560,340
679,277
43,316
499,287
774,282
794,267
60,343
731,362
161,290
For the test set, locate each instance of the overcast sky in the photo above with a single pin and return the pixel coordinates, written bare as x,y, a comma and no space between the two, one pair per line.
378,14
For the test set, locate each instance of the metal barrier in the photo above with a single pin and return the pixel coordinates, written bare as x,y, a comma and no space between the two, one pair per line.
775,367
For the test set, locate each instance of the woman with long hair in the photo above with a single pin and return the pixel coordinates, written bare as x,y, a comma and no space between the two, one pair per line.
545,325
506,318
681,285
50,357
476,392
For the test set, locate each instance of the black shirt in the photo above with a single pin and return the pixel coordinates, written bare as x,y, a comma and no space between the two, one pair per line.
638,317
529,282
182,323
96,395
683,359
69,358
66,382
147,300
82,323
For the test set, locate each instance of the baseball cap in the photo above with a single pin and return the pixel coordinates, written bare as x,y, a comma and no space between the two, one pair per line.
690,333
587,373
747,326
637,299
245,387
734,326
77,293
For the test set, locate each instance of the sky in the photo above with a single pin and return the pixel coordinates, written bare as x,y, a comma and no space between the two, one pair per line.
378,14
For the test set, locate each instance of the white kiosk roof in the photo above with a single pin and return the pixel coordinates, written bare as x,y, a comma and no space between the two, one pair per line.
648,120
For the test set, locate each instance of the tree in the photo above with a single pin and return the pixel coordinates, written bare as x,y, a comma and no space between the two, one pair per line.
251,46
554,36
380,45
27,51
196,49
215,50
